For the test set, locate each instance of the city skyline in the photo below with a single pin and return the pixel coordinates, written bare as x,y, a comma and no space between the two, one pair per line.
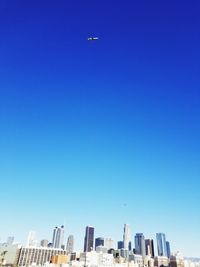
101,132
105,252
136,242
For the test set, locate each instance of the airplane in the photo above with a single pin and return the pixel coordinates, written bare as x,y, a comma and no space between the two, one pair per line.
93,38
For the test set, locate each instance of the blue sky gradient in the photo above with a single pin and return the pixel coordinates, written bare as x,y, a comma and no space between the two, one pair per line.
88,126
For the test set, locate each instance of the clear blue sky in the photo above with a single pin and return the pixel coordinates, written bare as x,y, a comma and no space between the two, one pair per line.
88,126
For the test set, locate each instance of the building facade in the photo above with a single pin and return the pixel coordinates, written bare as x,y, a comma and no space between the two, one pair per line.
44,243
89,239
140,244
161,261
109,243
149,247
99,241
120,244
70,244
9,254
127,237
58,237
161,244
168,250
31,240
37,255
96,259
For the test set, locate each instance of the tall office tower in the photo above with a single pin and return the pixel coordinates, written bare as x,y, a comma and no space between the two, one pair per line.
99,241
161,243
89,239
55,230
31,240
44,243
127,237
120,244
109,243
70,244
149,247
140,244
58,237
10,240
168,249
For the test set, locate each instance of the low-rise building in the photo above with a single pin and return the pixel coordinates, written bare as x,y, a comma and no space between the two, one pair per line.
38,255
177,260
9,254
161,260
59,259
94,258
102,249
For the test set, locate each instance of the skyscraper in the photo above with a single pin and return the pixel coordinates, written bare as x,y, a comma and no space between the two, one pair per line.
168,249
161,243
140,244
120,244
55,230
149,247
31,240
89,239
70,244
58,237
99,241
127,237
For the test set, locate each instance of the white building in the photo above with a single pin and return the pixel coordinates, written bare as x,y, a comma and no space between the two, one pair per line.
190,263
148,261
94,258
70,244
109,243
137,260
127,237
101,249
37,255
31,239
9,254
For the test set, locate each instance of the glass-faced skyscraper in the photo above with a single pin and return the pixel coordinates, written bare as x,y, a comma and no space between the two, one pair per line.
89,239
149,247
168,249
161,243
120,244
70,244
58,237
140,244
99,241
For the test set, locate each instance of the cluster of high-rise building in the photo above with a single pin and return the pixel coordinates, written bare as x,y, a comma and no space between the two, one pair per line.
131,251
142,246
57,241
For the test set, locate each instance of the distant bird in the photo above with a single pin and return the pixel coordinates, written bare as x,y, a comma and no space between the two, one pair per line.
93,38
